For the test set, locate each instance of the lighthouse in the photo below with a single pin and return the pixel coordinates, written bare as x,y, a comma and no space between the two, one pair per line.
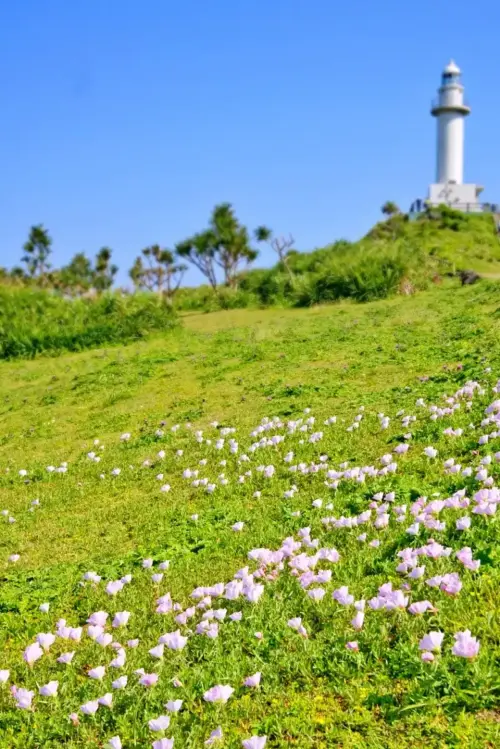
450,110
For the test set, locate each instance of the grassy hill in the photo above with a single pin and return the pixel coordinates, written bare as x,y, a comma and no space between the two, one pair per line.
237,368
397,255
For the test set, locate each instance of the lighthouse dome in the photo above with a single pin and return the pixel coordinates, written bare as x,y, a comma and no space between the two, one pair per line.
451,69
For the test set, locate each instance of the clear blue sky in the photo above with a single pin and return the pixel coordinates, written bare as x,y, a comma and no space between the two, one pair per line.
124,121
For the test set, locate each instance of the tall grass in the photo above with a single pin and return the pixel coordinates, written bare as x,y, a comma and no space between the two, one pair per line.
34,321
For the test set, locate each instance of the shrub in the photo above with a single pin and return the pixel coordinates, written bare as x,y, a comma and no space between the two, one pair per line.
35,321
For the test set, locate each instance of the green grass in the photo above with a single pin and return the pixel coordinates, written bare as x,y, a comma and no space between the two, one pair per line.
237,367
34,322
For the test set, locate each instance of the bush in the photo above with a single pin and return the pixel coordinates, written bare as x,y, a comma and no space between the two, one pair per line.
34,321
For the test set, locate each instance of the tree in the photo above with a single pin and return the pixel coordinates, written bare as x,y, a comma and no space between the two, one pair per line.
37,249
281,246
104,271
78,276
226,243
160,273
390,208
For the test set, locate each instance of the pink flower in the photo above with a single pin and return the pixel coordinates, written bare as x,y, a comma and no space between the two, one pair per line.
98,619
352,645
159,724
316,594
296,624
465,646
114,587
174,640
358,620
50,689
173,706
114,743
4,675
32,653
97,673
121,619
148,680
252,681
89,708
342,596
214,736
23,698
219,693
74,719
120,683
451,584
255,742
427,657
157,652
106,700
66,657
431,641
420,607
104,639
163,744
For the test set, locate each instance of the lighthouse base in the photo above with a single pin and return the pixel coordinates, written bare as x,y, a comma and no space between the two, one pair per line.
460,197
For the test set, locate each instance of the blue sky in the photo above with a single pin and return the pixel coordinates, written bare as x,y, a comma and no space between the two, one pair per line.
123,122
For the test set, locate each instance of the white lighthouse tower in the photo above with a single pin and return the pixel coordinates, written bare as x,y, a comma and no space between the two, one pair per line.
450,110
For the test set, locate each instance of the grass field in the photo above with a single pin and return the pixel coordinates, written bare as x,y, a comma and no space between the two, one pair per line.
237,368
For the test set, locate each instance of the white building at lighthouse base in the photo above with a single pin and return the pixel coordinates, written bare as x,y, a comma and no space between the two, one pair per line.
462,197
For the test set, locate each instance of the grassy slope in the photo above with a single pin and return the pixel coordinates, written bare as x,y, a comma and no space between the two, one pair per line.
238,367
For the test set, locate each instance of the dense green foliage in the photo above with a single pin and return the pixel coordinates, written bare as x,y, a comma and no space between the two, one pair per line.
237,367
37,321
397,256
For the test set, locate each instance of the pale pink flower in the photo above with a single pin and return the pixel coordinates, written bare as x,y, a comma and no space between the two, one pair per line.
219,693
4,675
352,645
252,681
173,706
121,619
157,652
44,608
114,587
106,700
214,737
104,639
174,640
97,673
50,689
114,743
32,653
89,708
316,594
74,719
66,657
255,742
465,645
431,641
342,596
23,698
358,620
159,724
98,618
148,680
120,683
132,643
163,744
427,657
45,640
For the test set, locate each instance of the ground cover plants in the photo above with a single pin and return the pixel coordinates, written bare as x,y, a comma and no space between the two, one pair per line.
268,528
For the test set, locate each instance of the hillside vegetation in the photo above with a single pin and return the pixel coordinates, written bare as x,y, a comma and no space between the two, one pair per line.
35,321
75,307
214,447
